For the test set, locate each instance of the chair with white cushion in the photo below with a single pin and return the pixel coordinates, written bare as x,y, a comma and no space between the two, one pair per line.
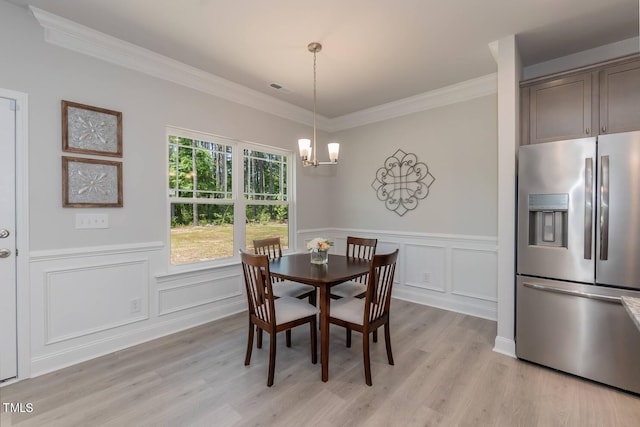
283,288
270,314
359,248
368,314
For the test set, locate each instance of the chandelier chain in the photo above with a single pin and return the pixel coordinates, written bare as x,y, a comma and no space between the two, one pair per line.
314,105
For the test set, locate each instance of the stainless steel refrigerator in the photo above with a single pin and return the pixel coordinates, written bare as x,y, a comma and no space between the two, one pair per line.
578,252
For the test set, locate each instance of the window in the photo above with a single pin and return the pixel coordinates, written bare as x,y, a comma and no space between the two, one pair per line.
223,194
265,193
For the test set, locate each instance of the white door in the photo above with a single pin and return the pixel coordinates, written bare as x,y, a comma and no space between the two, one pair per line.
8,332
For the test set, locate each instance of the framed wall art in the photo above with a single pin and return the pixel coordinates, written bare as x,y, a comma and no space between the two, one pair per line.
89,183
91,130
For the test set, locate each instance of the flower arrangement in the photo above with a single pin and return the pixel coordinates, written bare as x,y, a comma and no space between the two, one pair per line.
319,249
319,244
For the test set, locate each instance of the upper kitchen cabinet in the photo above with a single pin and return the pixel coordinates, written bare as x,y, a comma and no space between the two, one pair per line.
560,109
620,98
604,98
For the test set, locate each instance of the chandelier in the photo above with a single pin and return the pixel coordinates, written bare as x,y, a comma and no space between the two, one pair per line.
307,153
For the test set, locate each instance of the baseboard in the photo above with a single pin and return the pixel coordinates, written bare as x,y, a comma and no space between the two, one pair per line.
445,304
505,346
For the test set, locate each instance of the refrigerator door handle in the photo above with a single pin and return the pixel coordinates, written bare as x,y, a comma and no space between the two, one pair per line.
604,208
606,298
588,207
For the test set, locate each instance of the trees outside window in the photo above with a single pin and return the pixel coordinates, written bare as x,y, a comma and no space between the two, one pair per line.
223,194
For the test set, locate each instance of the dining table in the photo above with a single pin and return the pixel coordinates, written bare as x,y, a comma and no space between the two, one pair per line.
338,269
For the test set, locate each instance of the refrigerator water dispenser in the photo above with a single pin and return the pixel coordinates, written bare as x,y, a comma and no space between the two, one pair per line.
548,219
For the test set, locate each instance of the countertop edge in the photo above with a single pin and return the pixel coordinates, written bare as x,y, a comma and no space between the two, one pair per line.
632,305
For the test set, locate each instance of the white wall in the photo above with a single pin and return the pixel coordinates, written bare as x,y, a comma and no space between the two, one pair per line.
50,74
83,281
457,142
448,243
509,73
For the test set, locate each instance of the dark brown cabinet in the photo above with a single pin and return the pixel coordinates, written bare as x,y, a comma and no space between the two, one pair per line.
597,100
620,98
560,109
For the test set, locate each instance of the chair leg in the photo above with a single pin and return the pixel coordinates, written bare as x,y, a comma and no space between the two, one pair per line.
314,342
259,338
272,358
288,337
247,357
375,336
367,359
387,341
313,298
348,337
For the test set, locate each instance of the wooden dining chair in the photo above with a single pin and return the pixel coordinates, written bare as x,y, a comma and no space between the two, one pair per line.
368,314
360,248
270,314
283,288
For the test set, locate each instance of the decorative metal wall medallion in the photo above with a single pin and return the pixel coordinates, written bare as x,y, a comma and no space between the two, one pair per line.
91,130
91,183
402,181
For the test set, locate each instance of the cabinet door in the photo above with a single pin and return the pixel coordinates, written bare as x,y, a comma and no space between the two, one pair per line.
560,109
620,98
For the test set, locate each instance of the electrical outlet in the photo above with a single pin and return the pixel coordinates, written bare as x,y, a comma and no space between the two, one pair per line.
136,305
426,277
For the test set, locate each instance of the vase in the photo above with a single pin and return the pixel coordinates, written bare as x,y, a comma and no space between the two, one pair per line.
319,257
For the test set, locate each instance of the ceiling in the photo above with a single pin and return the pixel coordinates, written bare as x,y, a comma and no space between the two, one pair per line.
374,51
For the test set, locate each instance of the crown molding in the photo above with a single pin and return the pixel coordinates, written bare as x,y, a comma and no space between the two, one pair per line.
73,36
447,95
79,38
584,58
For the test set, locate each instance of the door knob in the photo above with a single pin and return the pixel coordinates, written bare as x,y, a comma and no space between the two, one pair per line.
4,234
4,253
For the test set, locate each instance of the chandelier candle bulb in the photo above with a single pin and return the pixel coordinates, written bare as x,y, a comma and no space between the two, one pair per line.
304,145
334,149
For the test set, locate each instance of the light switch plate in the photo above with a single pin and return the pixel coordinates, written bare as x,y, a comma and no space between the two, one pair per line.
92,221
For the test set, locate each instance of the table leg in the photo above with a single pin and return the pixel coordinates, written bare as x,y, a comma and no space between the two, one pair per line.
324,331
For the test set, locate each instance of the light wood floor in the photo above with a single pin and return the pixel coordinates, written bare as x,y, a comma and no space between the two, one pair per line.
446,374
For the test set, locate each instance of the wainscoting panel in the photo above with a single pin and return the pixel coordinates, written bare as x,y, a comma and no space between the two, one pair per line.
474,273
453,272
199,292
429,271
84,301
89,299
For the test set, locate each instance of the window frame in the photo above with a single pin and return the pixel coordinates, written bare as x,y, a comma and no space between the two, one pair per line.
238,200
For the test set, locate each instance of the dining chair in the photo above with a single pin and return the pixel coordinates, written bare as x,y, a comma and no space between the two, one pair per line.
270,314
368,314
360,248
283,288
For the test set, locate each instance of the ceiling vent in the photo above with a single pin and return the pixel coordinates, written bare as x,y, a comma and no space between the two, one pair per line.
280,88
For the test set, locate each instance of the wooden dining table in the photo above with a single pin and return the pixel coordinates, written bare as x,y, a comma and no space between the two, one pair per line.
339,269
